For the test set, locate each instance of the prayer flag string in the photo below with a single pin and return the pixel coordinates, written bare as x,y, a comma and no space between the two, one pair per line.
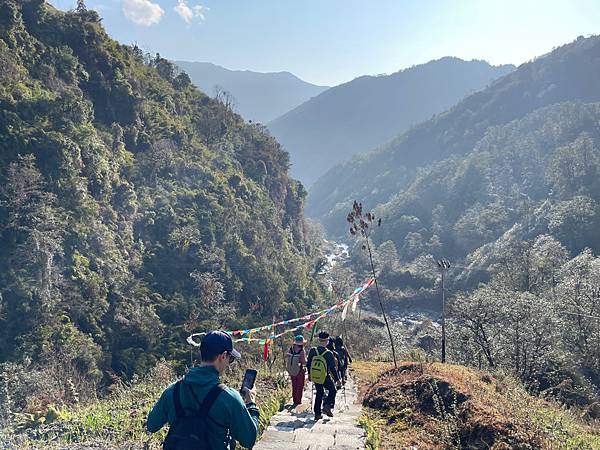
310,321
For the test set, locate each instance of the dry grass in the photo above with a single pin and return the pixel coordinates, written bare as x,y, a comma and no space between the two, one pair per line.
441,406
118,420
365,372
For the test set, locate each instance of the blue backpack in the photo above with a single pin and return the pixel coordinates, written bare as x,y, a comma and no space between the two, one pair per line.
190,432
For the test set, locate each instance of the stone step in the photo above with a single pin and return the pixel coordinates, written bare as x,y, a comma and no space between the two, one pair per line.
294,429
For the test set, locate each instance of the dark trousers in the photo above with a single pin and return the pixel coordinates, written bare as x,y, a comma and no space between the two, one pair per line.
343,373
298,386
329,400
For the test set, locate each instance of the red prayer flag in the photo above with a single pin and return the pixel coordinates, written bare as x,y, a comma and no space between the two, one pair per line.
266,352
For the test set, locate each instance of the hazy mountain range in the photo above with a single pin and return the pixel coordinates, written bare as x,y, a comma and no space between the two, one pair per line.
404,176
368,111
260,97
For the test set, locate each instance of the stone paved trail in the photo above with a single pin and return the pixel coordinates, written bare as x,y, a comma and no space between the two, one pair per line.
297,430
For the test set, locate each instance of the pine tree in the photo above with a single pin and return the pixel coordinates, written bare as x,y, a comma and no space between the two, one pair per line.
81,6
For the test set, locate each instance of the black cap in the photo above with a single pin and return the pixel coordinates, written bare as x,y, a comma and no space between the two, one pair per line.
217,342
323,335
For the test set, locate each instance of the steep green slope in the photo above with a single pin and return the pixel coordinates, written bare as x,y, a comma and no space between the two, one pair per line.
569,73
540,172
364,113
133,208
259,97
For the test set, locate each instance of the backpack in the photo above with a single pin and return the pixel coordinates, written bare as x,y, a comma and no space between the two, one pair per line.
292,363
190,432
343,357
318,367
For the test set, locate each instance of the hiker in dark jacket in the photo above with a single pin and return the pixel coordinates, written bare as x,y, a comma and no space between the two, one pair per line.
344,357
338,361
331,377
233,417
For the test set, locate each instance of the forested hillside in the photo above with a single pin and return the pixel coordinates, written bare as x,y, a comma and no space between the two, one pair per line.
368,111
259,97
133,207
569,73
506,187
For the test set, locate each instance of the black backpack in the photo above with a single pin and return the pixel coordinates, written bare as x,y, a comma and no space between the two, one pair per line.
343,354
190,432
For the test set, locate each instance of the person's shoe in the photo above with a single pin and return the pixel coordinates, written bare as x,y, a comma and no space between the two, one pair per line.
327,411
318,416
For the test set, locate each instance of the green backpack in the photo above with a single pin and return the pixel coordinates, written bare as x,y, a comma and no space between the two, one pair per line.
318,367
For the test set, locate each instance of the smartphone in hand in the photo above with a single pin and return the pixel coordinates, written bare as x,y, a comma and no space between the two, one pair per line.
249,378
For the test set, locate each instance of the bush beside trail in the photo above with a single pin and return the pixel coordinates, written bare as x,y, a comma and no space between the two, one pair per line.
442,406
118,421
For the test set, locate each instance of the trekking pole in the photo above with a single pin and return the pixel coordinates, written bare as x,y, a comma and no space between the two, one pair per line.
312,391
345,401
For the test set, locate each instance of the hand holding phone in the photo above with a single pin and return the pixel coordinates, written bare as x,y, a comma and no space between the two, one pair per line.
247,390
249,379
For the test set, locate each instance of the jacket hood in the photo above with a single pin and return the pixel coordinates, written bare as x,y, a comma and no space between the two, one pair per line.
205,375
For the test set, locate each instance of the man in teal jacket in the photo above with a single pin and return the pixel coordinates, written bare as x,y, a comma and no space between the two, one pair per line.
231,418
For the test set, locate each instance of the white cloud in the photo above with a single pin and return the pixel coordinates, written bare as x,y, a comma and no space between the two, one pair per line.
142,12
188,13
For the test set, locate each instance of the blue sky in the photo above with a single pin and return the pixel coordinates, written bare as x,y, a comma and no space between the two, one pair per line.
332,41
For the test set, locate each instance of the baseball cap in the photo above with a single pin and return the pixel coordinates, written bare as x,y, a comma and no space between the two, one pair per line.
324,335
217,342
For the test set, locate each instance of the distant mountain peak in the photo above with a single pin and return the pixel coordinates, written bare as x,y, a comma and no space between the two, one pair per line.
366,112
567,74
260,96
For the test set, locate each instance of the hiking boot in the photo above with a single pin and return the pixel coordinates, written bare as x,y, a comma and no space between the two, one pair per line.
327,411
318,416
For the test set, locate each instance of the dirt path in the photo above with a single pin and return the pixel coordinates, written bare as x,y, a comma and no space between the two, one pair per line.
297,430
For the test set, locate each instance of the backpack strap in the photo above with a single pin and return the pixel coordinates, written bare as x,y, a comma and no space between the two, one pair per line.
177,400
209,400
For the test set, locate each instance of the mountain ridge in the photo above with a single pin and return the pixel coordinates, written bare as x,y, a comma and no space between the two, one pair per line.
134,208
259,96
368,111
456,130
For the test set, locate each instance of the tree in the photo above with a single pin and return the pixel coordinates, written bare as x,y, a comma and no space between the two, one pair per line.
516,330
578,303
35,226
360,227
575,223
574,169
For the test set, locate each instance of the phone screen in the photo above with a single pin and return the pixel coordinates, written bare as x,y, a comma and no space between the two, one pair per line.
249,378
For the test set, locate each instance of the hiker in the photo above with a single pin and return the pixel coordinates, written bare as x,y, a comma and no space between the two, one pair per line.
295,364
331,346
206,414
344,356
321,363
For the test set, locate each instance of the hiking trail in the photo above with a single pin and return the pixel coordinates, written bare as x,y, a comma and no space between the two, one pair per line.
296,429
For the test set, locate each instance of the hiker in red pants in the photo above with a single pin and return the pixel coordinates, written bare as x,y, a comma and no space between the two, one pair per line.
296,363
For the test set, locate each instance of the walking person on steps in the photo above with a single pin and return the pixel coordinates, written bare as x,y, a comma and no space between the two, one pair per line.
344,357
202,413
338,363
323,373
295,364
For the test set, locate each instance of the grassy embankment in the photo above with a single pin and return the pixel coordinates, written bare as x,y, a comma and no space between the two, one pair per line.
436,406
117,421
